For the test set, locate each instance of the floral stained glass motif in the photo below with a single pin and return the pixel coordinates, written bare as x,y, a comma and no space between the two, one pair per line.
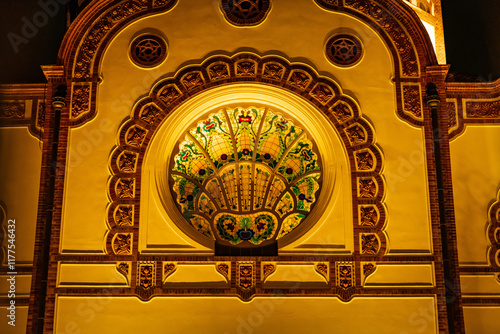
244,176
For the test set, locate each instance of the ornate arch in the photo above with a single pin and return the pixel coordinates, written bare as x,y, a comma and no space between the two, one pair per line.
88,37
356,134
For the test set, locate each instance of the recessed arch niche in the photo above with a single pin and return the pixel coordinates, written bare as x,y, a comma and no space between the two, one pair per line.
330,221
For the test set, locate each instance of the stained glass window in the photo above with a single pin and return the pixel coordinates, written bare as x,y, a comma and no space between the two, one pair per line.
246,176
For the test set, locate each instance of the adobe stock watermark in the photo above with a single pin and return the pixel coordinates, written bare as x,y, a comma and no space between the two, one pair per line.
32,25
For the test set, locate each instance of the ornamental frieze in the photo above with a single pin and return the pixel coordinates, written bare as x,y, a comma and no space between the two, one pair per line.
482,109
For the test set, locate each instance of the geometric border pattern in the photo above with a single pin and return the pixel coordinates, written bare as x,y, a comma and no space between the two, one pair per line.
381,15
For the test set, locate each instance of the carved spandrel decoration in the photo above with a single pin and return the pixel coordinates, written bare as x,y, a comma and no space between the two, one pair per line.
365,161
345,275
369,244
146,275
124,215
245,275
482,109
218,71
192,80
367,188
251,73
322,93
494,232
12,110
168,269
246,68
273,71
135,136
267,269
122,244
125,188
412,104
342,112
127,162
168,94
356,135
299,79
80,100
149,113
322,269
368,215
40,115
223,268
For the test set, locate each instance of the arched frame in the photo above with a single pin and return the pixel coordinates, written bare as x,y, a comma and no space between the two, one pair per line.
93,30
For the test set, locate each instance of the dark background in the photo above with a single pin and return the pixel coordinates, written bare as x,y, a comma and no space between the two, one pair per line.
471,27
